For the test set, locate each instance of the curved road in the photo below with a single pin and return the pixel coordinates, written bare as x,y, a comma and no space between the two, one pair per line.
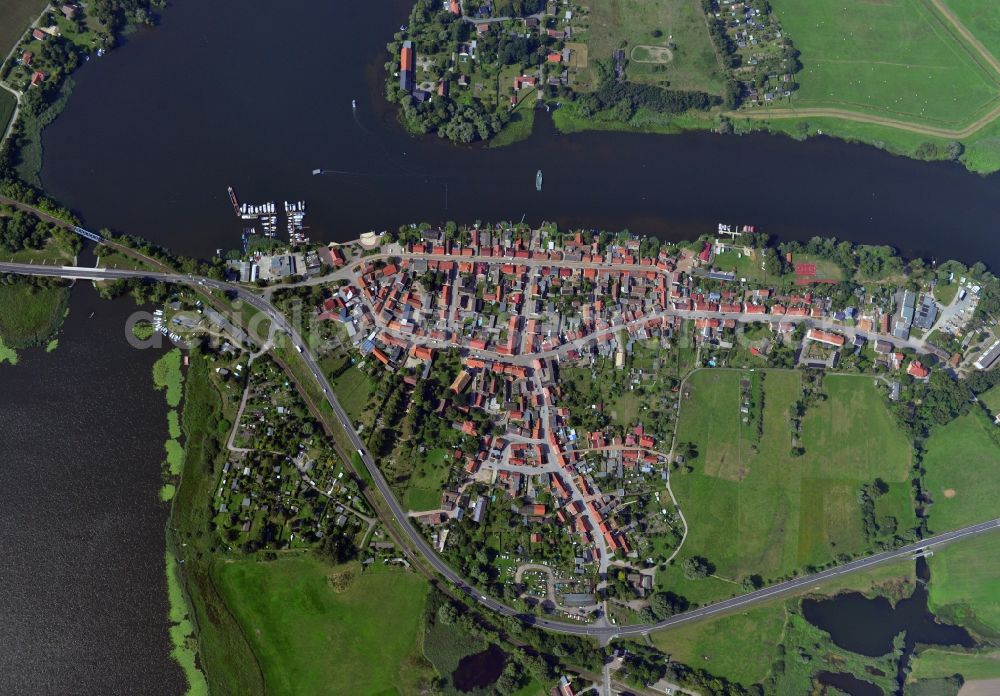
603,633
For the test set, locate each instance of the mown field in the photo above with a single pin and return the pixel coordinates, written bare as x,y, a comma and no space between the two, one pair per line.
740,647
320,629
961,464
935,663
693,65
353,389
752,507
900,59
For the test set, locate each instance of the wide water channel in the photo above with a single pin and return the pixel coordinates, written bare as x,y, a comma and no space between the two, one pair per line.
257,94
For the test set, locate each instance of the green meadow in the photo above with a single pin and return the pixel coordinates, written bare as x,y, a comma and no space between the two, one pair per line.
322,629
900,59
961,466
754,508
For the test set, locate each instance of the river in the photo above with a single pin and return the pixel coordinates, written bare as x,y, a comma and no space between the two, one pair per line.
82,531
257,94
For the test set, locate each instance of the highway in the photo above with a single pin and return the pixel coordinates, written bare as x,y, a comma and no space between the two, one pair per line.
603,633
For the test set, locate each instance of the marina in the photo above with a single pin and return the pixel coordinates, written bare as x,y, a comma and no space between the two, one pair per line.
263,219
661,184
295,212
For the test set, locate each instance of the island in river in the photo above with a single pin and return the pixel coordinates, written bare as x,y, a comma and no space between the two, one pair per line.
477,70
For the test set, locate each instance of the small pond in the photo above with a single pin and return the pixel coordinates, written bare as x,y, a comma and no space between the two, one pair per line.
849,684
479,670
868,627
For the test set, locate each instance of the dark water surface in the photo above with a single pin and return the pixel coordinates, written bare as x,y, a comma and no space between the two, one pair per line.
849,684
256,94
479,670
84,600
868,626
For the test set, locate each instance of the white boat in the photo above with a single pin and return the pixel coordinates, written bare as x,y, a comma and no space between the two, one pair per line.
354,103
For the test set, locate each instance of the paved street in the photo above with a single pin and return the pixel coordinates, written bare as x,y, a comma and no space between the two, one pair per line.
603,632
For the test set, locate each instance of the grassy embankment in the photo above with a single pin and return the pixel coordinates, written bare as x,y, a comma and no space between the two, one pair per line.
317,628
752,507
905,65
29,316
29,167
518,128
168,378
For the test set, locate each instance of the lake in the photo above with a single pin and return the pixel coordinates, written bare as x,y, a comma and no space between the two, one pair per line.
257,94
82,532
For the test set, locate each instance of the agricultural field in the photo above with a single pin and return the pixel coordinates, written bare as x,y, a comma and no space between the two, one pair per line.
666,41
755,508
317,628
961,463
965,584
7,104
935,663
902,60
15,17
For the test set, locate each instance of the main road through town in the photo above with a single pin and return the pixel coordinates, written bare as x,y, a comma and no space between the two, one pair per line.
604,633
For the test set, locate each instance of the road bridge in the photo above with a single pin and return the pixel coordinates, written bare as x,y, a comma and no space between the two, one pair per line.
418,545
